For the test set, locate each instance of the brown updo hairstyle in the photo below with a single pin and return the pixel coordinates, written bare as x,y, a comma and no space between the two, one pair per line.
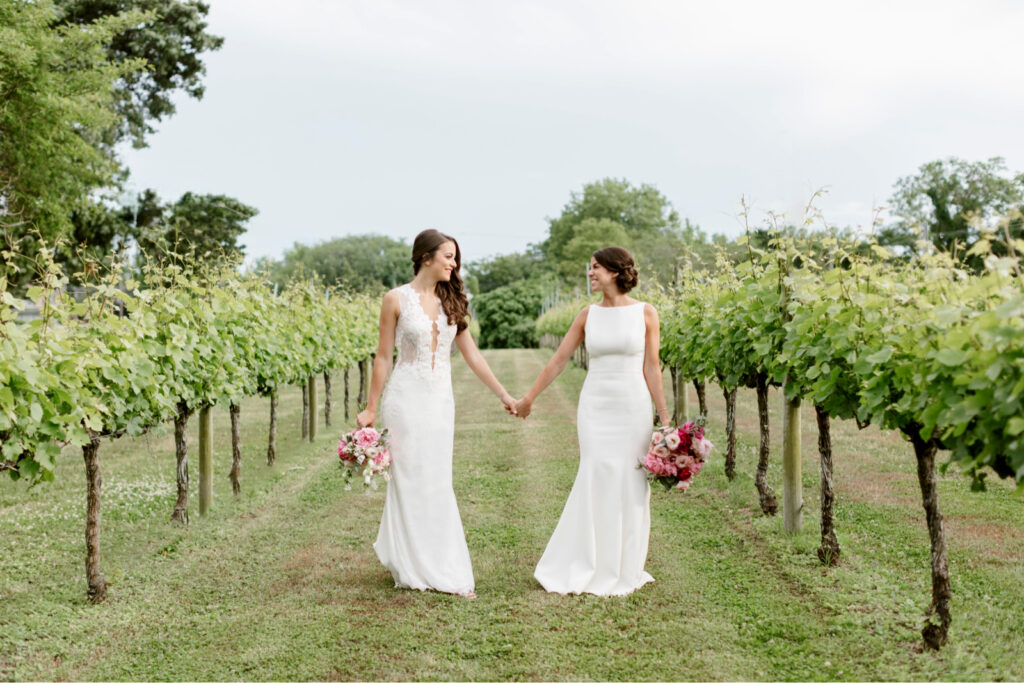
453,298
620,262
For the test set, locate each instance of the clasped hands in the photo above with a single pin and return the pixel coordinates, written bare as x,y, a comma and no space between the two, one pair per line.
520,408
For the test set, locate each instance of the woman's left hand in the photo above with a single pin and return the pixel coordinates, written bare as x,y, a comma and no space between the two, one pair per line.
510,405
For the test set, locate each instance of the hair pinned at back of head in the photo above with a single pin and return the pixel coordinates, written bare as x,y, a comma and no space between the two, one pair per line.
620,262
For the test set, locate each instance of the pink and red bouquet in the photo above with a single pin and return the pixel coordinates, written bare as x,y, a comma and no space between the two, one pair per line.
364,452
676,455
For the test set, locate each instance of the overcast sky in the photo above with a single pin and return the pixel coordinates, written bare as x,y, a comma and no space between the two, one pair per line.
479,118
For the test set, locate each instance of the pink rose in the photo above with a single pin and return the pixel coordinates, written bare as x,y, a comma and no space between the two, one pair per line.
682,460
662,452
657,438
659,467
672,441
366,437
704,447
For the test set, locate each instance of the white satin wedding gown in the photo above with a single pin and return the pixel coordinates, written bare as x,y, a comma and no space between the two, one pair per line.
421,538
600,543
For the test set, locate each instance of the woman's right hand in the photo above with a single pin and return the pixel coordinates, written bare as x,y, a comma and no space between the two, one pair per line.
366,418
523,408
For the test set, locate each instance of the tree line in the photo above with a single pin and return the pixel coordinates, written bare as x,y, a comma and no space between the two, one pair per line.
78,78
949,205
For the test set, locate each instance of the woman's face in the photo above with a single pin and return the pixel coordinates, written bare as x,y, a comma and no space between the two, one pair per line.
600,277
442,262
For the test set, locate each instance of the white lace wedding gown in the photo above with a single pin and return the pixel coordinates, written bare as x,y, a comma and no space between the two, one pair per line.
600,543
421,538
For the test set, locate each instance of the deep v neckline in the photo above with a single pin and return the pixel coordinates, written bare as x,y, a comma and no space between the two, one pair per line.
435,327
435,319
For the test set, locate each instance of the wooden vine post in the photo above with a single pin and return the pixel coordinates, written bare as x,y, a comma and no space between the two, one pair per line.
327,398
769,505
935,634
364,371
97,591
345,375
828,551
680,390
792,489
305,410
272,432
702,397
311,413
236,448
181,417
205,459
730,432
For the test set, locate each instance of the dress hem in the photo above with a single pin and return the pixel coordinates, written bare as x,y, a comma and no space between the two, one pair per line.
617,593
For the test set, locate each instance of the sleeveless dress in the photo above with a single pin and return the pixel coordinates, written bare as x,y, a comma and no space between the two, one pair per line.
600,543
421,538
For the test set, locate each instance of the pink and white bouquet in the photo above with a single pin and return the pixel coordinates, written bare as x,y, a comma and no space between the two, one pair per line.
676,454
364,452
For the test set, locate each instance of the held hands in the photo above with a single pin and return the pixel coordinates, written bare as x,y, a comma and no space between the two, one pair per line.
523,408
520,408
510,405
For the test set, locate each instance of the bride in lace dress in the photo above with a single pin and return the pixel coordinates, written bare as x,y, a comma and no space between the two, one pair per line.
421,538
600,543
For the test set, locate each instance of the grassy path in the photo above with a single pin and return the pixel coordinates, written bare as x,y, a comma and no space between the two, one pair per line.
282,582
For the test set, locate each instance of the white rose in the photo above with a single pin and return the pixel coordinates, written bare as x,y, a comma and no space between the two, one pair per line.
672,441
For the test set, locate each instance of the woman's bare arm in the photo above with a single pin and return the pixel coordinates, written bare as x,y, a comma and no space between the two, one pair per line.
389,309
652,362
572,339
478,364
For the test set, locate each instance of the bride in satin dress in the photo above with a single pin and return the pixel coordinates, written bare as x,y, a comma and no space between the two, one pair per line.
600,543
421,540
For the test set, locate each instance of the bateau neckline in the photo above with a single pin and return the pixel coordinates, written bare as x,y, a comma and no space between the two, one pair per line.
635,303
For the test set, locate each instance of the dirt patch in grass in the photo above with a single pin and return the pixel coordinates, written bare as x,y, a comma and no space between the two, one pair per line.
997,543
886,488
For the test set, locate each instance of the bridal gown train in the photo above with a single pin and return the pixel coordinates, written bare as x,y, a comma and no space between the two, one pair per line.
421,539
600,543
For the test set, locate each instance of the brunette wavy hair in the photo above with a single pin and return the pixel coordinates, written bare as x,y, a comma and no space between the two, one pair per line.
620,262
451,293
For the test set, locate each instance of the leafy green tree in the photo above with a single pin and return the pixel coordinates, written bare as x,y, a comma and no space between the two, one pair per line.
639,210
356,262
198,228
649,227
57,106
170,41
98,229
949,201
508,315
588,236
498,271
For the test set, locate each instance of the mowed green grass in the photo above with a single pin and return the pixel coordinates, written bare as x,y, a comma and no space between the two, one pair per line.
282,583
